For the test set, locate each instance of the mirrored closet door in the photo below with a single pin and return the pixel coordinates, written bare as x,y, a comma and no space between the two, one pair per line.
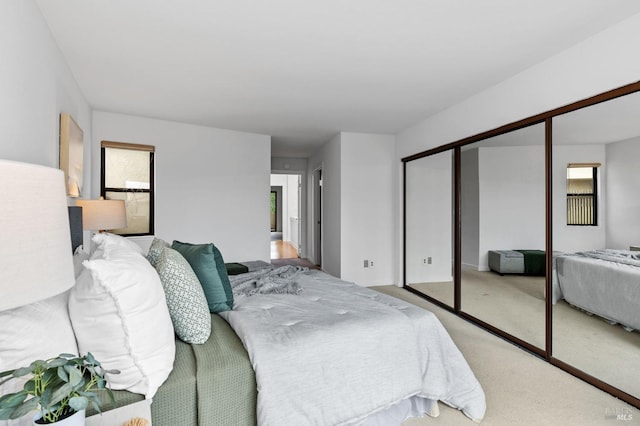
596,224
532,231
429,226
502,211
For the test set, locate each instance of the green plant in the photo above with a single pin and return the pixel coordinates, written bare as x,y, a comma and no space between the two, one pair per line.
58,388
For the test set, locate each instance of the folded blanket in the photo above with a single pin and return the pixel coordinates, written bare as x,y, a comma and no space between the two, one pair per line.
281,280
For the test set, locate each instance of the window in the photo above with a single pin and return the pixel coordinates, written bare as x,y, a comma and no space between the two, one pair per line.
127,174
582,194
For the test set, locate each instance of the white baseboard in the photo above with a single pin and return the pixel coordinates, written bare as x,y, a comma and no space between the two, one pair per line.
470,267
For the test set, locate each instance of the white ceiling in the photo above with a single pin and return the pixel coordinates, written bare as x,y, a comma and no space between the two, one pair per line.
302,71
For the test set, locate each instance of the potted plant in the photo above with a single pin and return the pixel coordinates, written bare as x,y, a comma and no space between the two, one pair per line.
59,387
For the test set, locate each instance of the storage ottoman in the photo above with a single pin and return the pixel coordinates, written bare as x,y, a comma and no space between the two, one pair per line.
506,261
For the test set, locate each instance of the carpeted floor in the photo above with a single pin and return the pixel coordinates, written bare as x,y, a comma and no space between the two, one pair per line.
515,304
521,389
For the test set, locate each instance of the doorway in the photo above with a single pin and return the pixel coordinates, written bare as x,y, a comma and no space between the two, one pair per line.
285,216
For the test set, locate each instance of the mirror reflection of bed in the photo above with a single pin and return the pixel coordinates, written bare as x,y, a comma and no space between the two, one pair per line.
606,346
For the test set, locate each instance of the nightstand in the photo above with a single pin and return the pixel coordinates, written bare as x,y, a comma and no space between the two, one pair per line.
635,248
118,416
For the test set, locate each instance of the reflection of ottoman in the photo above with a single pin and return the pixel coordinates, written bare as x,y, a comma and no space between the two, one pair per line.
506,261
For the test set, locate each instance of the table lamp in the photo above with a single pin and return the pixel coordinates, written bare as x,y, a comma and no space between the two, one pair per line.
102,215
35,255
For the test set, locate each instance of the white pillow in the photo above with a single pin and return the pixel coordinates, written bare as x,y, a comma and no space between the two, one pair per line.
40,330
106,241
119,314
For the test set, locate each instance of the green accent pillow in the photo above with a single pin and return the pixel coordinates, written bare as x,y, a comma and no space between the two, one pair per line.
206,261
185,297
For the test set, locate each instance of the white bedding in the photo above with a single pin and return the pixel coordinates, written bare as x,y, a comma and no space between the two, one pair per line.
338,352
603,282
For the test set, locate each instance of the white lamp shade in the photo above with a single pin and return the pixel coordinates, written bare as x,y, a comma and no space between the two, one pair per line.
35,255
99,215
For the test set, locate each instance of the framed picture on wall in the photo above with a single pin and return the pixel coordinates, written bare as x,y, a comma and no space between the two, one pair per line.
71,154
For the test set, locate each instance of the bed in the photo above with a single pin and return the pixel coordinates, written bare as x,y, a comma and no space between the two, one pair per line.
297,347
603,282
323,351
329,352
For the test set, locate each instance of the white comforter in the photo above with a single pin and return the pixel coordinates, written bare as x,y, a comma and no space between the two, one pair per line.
338,352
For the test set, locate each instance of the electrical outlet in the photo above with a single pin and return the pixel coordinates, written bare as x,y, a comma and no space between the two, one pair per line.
371,264
366,263
429,260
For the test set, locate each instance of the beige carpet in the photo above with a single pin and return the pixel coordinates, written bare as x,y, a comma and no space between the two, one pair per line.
515,304
520,388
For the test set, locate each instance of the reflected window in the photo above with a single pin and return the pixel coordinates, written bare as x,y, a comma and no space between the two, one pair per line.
127,174
582,194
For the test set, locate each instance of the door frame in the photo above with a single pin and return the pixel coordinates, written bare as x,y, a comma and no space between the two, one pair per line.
317,217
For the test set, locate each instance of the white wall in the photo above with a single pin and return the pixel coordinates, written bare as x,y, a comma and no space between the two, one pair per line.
288,165
329,158
623,194
567,238
512,200
366,208
35,87
595,65
358,182
212,185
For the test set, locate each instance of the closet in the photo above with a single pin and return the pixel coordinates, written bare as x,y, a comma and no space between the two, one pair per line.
486,218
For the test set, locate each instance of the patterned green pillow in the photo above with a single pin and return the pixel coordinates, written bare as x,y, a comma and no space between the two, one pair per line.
153,255
185,298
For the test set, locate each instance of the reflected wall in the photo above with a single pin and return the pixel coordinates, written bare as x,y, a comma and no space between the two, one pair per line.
429,224
502,204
